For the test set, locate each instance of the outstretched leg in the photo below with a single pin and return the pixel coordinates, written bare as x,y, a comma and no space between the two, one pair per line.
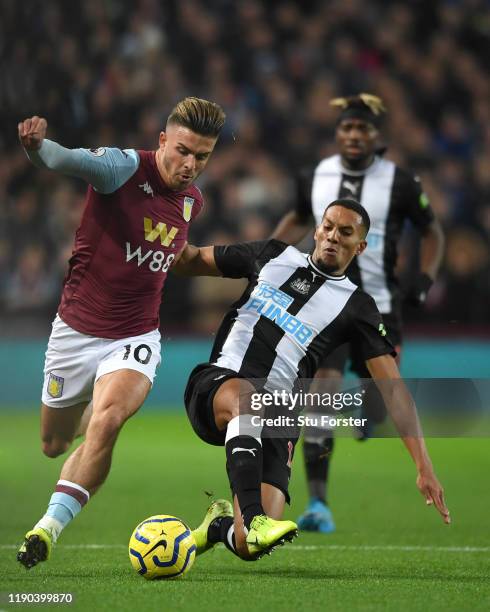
230,530
244,462
117,396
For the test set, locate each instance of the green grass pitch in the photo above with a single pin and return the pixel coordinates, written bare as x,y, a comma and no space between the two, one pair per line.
390,551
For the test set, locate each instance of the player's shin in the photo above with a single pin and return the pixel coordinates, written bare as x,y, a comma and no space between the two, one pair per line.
244,464
64,505
318,449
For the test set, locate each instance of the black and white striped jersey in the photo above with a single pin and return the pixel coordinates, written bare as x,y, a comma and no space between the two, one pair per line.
291,314
390,195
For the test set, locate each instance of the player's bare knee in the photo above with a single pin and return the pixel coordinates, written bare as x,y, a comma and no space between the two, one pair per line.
231,400
223,414
54,447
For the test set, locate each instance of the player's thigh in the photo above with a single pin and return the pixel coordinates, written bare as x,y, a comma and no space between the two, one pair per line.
61,422
232,399
125,374
59,427
118,395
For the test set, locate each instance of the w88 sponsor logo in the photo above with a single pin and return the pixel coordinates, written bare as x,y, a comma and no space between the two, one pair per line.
156,260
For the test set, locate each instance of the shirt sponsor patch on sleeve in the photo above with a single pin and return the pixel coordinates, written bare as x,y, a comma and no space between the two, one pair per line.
98,152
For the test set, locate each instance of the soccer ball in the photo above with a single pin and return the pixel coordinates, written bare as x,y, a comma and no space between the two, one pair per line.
162,546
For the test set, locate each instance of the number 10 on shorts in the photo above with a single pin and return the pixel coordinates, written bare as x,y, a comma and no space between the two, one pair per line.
142,353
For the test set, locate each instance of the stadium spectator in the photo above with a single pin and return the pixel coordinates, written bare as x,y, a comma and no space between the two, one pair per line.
106,73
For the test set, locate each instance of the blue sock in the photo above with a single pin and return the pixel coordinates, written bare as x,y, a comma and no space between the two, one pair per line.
63,508
65,503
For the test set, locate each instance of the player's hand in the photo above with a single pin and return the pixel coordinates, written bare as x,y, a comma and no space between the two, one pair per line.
32,132
433,492
416,292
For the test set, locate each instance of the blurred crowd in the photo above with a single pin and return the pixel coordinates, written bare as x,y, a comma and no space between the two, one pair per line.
107,72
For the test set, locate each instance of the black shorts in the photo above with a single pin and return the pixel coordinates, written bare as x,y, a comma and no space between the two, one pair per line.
337,360
277,452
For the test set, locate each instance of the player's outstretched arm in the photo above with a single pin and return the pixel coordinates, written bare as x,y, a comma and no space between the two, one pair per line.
401,407
106,169
196,261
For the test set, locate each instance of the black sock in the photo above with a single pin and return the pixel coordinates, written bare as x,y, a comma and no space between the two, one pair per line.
317,462
244,467
218,532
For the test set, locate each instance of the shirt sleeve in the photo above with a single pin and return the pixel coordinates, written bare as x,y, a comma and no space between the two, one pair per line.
244,259
367,330
416,202
106,169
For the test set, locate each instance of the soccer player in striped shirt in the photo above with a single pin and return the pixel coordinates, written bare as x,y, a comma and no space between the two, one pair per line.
296,310
391,195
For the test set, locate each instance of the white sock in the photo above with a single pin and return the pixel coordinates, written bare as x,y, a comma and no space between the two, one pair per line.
50,524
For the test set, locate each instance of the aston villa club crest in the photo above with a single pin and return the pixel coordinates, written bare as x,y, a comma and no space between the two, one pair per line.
55,385
187,211
301,286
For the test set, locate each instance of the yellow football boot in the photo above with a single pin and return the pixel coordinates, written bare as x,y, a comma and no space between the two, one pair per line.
36,547
218,509
266,533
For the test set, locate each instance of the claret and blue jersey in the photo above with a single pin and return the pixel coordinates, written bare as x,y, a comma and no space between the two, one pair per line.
132,228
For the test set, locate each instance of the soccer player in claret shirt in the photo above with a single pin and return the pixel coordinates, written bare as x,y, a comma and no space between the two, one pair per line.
296,309
391,196
105,345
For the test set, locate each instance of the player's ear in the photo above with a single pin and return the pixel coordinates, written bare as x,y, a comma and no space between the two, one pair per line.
162,139
361,247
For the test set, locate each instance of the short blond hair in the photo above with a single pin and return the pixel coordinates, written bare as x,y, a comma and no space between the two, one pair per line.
201,116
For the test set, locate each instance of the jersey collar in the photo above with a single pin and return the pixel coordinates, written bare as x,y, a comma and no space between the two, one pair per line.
367,170
318,271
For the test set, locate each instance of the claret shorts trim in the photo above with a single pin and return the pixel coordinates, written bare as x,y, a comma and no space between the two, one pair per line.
75,361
